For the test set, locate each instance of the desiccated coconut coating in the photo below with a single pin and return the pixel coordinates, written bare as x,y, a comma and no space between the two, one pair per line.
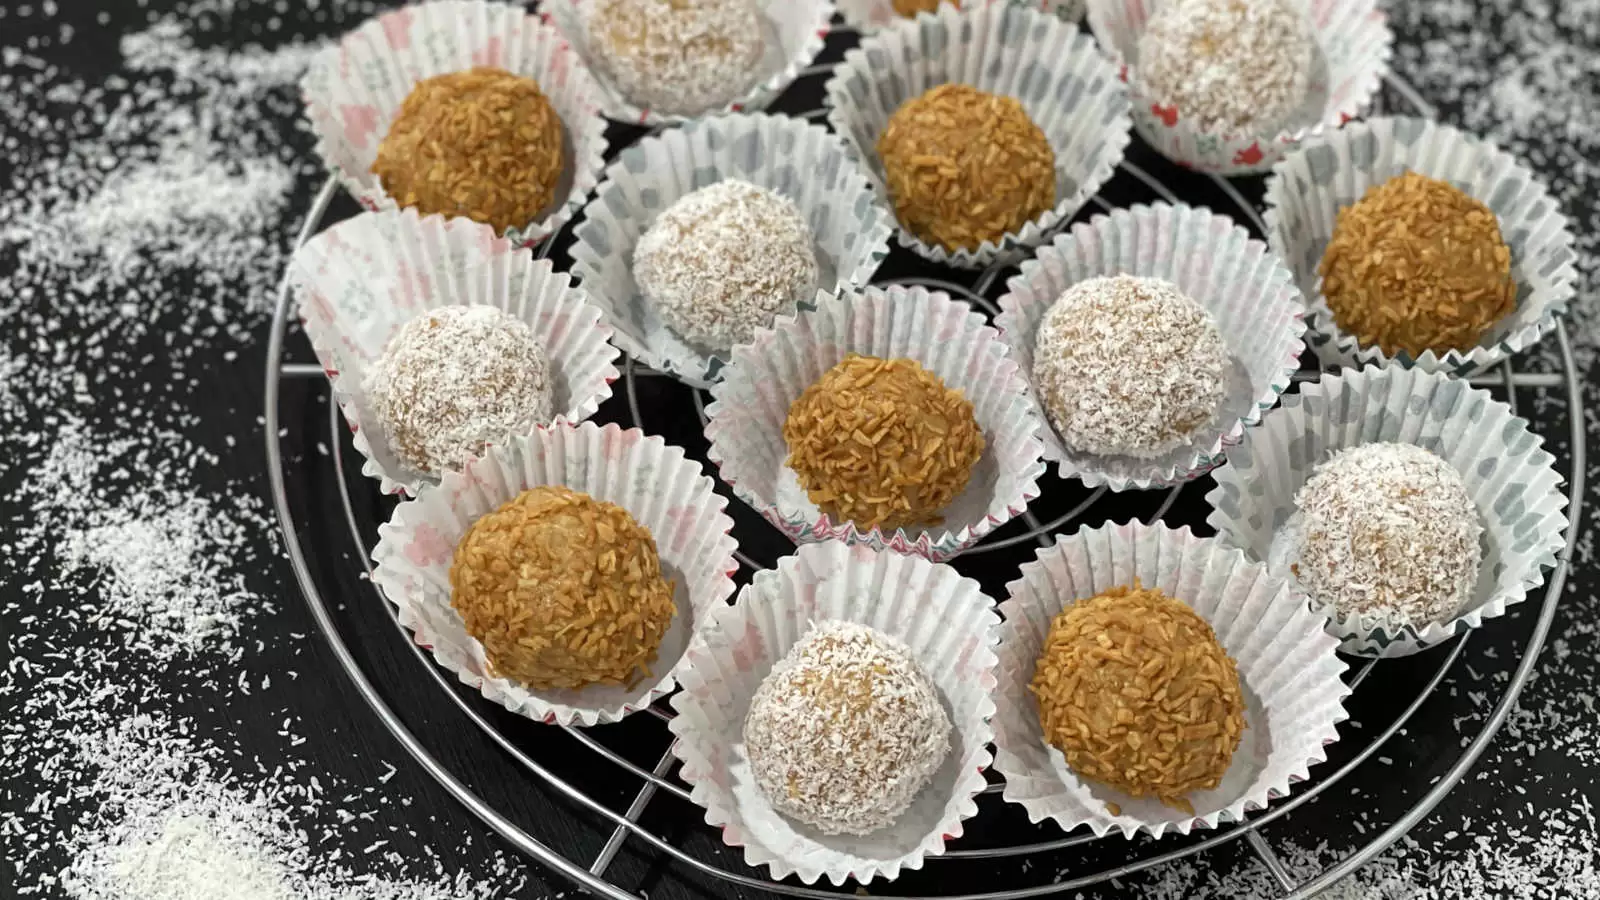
845,730
562,590
677,57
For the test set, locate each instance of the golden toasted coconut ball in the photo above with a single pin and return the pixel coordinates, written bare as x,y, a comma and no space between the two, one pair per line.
1417,265
845,730
1135,692
562,590
483,143
677,57
910,8
882,443
964,167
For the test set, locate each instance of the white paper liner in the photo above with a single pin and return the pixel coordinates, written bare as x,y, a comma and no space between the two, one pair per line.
354,89
1511,479
949,626
1307,190
944,336
1247,290
794,30
1288,669
792,157
1354,44
1054,70
657,485
361,280
867,16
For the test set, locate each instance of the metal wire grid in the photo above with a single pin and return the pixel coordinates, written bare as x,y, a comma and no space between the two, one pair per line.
625,824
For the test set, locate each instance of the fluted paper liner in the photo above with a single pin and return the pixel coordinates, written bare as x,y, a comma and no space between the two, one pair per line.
949,626
354,89
1307,190
360,281
1247,290
1353,46
1287,664
1511,478
944,336
657,485
1054,70
867,16
794,32
801,161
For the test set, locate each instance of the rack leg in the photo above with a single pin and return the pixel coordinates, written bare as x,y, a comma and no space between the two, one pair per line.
1274,865
635,810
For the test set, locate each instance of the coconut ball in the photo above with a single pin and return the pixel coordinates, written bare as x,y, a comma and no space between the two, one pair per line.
1234,66
1128,366
1105,683
562,590
677,57
1388,530
724,261
845,730
455,379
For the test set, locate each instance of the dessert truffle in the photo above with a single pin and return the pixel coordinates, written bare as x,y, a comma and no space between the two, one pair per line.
562,591
1417,265
1135,692
1387,530
909,8
1128,366
456,379
725,260
964,167
677,57
882,443
1231,66
483,143
845,730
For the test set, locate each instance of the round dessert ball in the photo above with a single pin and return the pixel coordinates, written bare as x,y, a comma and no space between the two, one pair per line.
677,57
964,167
483,143
909,8
845,730
1232,66
1388,530
454,380
724,261
562,590
1105,682
1417,265
853,435
1128,366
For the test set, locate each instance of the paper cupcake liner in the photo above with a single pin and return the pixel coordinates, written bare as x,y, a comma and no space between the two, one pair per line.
944,619
361,280
801,161
1054,70
794,31
1511,479
945,337
663,491
1353,48
867,16
1247,290
1287,664
1307,190
354,89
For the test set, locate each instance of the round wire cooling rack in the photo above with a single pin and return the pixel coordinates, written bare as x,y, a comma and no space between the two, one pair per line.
657,781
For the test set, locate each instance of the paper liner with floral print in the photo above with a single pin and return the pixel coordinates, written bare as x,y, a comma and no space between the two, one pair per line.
867,16
794,31
354,89
1307,190
1247,290
1511,478
361,280
944,336
803,162
1054,70
662,489
1353,43
949,626
1288,668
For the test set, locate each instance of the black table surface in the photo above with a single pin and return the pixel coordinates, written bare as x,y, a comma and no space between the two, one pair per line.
1459,54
